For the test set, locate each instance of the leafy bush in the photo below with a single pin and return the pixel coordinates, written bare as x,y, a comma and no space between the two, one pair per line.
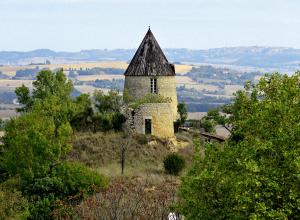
67,179
255,175
207,125
31,147
110,102
82,118
117,121
77,178
106,121
182,111
69,182
174,163
35,145
12,204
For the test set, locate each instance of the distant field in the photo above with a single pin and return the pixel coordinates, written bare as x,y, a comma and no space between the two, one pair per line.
7,111
100,77
89,89
219,96
11,70
230,89
191,84
182,69
196,115
10,85
184,80
206,80
6,114
201,87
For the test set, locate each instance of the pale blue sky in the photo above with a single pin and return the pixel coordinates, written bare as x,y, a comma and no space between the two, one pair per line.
72,25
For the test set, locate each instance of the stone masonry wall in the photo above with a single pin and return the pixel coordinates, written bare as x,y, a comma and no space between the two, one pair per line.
161,119
139,86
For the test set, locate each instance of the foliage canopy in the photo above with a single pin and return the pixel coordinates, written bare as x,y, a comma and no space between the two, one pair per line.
256,174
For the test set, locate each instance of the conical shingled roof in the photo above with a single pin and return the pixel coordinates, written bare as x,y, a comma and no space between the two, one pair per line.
149,60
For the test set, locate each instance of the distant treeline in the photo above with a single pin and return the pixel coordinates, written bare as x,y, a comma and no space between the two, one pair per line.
28,74
114,84
221,76
7,97
262,57
3,76
198,101
99,70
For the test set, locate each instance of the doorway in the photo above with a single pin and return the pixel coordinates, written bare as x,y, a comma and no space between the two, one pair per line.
148,126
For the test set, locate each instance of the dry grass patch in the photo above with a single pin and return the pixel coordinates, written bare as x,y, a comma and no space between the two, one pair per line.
102,151
132,198
144,154
145,191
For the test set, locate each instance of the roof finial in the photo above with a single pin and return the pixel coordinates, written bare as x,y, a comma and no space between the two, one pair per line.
149,27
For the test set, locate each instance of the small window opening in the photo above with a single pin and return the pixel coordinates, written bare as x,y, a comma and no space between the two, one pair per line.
153,85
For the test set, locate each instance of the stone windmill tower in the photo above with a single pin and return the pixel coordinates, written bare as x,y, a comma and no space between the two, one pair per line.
149,72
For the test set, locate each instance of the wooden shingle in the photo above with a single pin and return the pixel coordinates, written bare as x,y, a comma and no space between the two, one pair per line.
149,60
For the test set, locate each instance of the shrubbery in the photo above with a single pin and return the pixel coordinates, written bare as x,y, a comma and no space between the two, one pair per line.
12,204
255,175
207,125
174,163
67,183
103,114
34,149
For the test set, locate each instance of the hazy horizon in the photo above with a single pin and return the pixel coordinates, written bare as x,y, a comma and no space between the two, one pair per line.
89,49
74,25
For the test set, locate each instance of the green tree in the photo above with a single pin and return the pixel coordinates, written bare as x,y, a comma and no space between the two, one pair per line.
36,143
215,117
182,111
47,84
12,204
66,184
24,98
107,103
83,118
256,174
108,107
51,95
32,145
207,125
50,83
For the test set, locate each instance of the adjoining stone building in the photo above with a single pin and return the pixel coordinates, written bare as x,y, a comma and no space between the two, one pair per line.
149,72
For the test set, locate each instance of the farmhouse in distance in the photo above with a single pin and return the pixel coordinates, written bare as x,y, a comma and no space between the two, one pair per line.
150,77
